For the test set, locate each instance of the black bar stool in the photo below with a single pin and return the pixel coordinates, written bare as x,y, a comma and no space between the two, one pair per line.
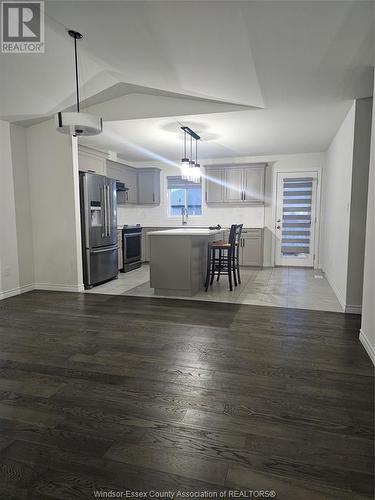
221,258
236,255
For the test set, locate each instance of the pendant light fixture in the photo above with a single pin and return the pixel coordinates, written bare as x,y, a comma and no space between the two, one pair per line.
197,167
190,168
76,123
185,162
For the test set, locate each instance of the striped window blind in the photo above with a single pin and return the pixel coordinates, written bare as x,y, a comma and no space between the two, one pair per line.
296,218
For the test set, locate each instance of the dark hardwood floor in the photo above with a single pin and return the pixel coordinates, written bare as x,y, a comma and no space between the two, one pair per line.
102,392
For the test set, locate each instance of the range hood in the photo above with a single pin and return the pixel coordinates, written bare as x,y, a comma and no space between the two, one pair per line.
120,187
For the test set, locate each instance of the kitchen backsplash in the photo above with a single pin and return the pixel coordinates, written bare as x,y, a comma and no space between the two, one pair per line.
225,216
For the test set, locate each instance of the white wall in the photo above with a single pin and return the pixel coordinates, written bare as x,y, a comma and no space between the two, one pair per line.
336,206
345,205
9,273
367,334
54,207
358,204
22,206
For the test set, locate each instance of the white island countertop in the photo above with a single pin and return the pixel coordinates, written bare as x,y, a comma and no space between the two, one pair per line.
188,231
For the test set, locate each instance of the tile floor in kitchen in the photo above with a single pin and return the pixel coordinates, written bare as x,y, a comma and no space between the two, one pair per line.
282,287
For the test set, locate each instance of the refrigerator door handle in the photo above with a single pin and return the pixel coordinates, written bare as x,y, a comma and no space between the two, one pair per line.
86,210
102,196
104,250
108,211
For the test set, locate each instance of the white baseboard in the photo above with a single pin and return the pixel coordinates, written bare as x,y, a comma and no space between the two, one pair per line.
352,309
16,291
59,288
367,345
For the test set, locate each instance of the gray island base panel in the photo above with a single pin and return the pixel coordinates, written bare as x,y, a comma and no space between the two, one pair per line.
178,260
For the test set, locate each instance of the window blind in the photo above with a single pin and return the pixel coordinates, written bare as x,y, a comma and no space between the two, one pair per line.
296,223
176,182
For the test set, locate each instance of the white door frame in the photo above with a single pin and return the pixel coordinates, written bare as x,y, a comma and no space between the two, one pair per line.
306,171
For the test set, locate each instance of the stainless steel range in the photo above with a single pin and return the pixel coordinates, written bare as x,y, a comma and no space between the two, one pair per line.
131,247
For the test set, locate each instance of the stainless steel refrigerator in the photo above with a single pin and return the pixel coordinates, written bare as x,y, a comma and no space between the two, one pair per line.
99,228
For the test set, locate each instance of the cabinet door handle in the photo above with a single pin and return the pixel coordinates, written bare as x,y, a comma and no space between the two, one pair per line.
244,195
153,196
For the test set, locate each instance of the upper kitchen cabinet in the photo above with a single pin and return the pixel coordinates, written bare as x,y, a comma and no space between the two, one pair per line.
215,185
127,175
253,184
242,184
91,161
148,186
234,185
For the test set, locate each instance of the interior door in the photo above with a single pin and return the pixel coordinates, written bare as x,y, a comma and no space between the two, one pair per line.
234,185
296,219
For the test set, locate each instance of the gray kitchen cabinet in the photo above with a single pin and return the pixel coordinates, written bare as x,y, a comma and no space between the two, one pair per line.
145,250
149,186
242,184
127,175
234,185
119,244
251,248
90,161
145,245
253,184
214,185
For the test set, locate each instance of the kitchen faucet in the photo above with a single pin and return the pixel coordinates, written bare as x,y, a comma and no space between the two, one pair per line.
184,216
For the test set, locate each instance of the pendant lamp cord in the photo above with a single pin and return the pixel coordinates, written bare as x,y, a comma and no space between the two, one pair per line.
76,64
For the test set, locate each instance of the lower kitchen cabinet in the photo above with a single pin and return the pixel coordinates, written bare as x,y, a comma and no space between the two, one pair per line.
251,248
119,244
145,251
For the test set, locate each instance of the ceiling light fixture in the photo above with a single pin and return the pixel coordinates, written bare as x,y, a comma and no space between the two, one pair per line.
185,162
77,123
191,169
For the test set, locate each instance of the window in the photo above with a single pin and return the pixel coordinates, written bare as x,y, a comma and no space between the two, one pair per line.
184,194
296,219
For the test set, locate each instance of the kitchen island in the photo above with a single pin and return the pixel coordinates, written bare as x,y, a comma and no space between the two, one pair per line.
178,260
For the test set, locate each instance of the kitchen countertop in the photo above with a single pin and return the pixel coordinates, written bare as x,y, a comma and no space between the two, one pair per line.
184,231
162,228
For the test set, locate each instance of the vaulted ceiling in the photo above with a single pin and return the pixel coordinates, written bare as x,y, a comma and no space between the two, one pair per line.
254,76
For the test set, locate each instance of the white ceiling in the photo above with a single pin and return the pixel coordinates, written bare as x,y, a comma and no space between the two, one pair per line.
204,62
240,133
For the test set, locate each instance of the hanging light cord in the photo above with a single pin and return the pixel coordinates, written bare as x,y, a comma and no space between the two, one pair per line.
76,65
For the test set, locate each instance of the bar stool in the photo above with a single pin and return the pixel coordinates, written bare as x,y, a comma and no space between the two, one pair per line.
236,255
223,263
